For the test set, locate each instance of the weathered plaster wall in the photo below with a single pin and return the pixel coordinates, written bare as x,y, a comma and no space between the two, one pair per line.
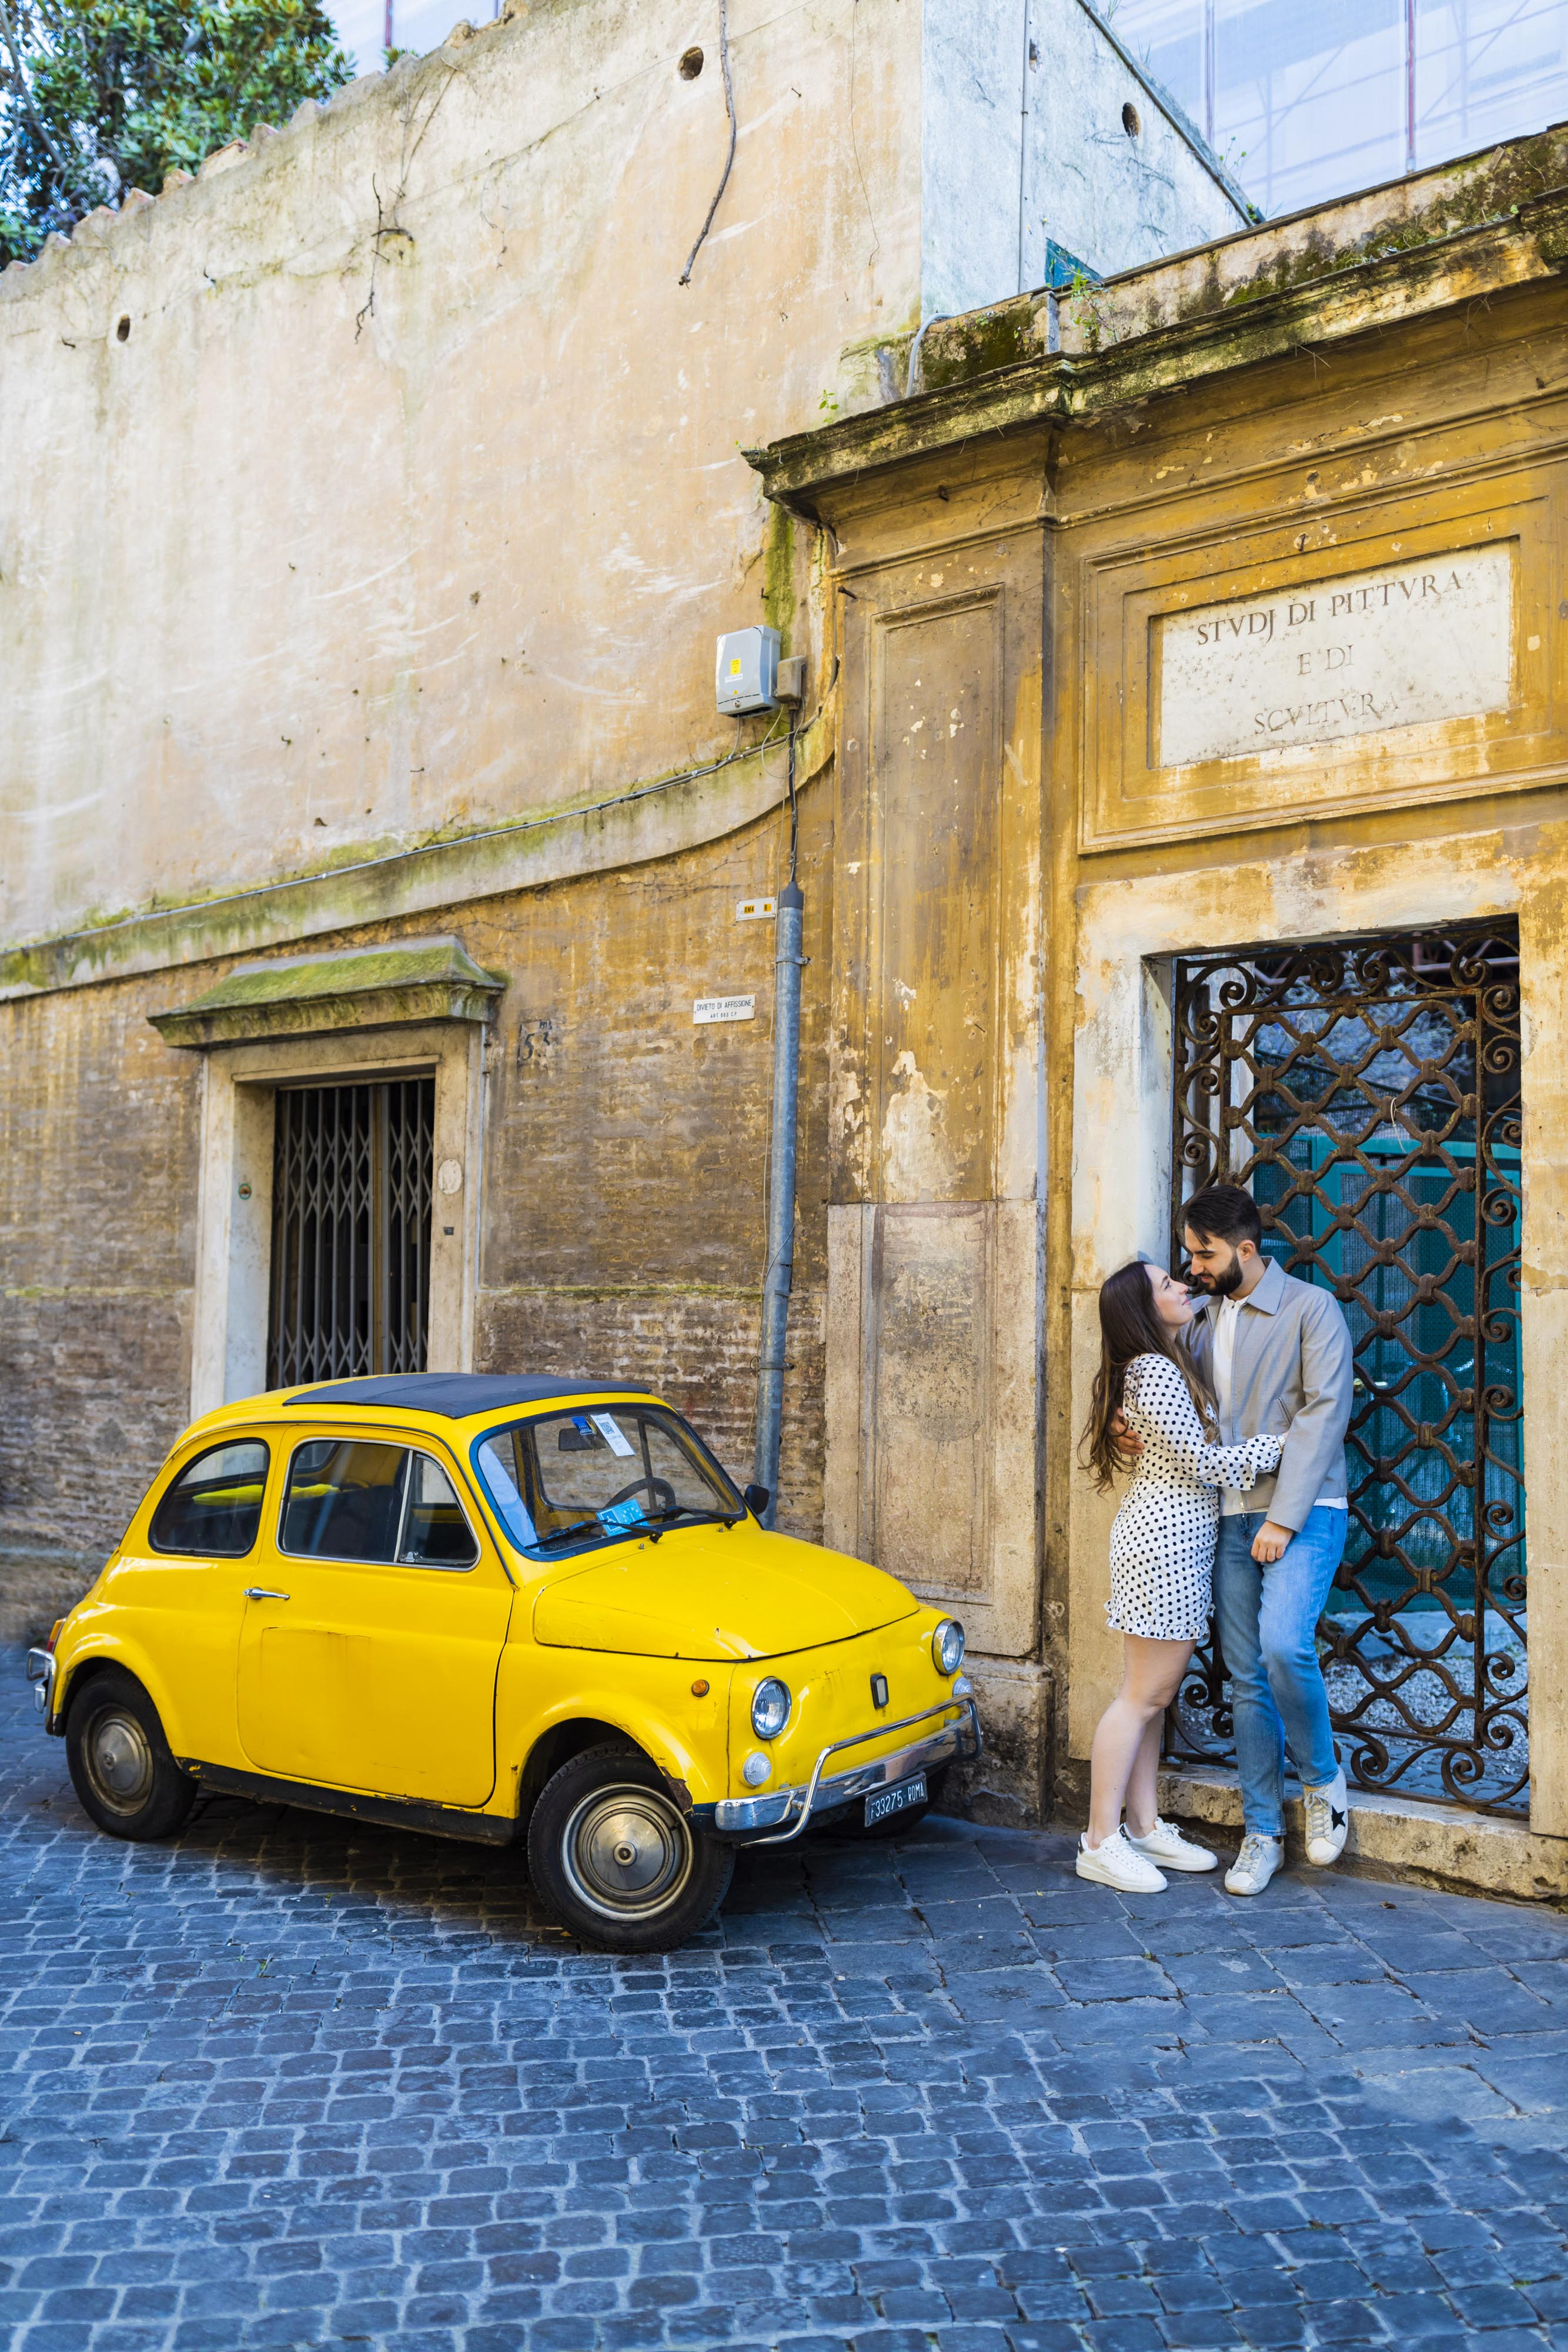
975,78
1023,141
1116,199
414,498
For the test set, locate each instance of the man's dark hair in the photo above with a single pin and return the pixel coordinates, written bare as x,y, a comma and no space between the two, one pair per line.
1223,1212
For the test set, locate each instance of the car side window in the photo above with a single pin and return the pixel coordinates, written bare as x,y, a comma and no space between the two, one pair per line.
434,1532
214,1507
344,1500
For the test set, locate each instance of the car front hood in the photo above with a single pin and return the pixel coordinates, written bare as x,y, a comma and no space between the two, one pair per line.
705,1592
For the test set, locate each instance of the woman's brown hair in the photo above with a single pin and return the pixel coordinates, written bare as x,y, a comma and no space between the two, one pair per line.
1129,1327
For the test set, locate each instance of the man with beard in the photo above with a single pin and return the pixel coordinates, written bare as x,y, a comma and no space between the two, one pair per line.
1277,1354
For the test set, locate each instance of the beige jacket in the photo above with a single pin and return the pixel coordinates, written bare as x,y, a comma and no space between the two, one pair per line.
1291,1374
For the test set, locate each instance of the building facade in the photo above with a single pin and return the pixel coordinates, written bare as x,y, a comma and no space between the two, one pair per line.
1178,788
1198,813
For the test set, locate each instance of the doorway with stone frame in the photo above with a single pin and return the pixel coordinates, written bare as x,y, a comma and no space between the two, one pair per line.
342,1135
1366,1092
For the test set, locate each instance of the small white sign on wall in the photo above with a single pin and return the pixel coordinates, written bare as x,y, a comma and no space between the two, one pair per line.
724,1008
1414,641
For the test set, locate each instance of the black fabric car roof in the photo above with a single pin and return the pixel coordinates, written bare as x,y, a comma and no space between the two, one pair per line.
457,1395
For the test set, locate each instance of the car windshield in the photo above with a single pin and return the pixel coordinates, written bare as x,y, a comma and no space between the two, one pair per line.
565,1481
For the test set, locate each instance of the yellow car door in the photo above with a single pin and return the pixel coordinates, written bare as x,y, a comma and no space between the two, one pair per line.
374,1626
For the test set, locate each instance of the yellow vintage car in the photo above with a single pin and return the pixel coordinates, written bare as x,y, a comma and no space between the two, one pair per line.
499,1608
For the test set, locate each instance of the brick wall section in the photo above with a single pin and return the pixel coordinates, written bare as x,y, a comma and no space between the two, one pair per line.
626,1149
624,1181
698,1351
98,1200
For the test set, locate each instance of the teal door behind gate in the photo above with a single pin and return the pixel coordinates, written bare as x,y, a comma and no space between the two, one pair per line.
1367,1093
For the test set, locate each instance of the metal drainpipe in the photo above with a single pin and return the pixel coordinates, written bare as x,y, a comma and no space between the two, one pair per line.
788,963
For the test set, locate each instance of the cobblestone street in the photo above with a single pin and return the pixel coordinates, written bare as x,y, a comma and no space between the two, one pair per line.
288,2082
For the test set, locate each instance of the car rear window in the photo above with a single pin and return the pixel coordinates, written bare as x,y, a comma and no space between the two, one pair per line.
213,1506
352,1500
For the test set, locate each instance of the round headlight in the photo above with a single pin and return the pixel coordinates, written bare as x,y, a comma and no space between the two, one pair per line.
770,1708
947,1646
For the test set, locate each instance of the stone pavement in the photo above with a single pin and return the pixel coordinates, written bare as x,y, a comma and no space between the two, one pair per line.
291,2082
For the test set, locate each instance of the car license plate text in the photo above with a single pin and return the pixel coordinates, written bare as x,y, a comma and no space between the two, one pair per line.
897,1800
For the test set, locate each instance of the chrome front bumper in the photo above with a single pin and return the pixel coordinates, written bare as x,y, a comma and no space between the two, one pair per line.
746,1816
41,1674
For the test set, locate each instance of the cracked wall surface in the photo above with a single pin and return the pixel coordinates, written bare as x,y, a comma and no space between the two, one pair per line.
413,498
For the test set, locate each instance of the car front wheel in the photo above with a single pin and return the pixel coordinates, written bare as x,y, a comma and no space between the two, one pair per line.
119,1763
617,1861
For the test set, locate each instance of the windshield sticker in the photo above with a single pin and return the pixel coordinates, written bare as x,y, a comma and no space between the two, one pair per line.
629,1514
611,1431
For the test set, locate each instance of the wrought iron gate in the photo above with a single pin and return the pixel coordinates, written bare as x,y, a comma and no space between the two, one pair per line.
1367,1093
350,1230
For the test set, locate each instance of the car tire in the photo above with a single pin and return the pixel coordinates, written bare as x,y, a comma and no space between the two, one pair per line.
613,1856
120,1768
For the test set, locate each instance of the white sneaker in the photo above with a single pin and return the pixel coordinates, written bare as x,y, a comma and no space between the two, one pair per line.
1256,1863
1166,1845
1328,1820
1114,1862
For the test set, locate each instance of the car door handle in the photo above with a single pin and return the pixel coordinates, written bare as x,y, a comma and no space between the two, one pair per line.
263,1593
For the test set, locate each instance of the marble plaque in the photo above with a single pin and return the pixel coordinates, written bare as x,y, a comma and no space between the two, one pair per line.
1400,647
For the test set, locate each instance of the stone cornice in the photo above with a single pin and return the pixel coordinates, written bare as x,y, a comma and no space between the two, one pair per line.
662,818
993,374
356,988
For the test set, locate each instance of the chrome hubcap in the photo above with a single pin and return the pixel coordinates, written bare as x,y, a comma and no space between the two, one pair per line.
119,1758
627,1852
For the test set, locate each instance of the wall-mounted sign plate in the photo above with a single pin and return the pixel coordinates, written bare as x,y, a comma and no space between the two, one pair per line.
756,910
724,1008
1254,678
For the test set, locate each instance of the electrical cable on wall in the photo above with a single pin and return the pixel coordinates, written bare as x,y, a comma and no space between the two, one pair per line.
729,109
422,849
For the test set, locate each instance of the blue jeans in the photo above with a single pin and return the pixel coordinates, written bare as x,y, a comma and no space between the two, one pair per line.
1268,1619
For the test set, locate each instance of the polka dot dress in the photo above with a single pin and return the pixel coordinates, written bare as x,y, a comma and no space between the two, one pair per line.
1162,1541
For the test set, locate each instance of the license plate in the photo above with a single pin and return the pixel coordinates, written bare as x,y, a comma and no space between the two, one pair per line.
897,1800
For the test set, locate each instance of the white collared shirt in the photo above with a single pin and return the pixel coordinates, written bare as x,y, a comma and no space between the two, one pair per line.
1227,1314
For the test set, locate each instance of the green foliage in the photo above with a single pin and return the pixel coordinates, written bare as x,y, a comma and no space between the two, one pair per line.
100,96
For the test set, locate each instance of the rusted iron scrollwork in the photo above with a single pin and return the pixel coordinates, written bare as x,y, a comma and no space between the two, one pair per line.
1367,1093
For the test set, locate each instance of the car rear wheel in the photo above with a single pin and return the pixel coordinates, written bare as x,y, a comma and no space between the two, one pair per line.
617,1861
120,1766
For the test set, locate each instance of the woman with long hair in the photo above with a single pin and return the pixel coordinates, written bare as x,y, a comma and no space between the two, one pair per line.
1161,1559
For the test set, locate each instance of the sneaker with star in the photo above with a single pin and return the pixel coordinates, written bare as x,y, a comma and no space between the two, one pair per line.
1328,1820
